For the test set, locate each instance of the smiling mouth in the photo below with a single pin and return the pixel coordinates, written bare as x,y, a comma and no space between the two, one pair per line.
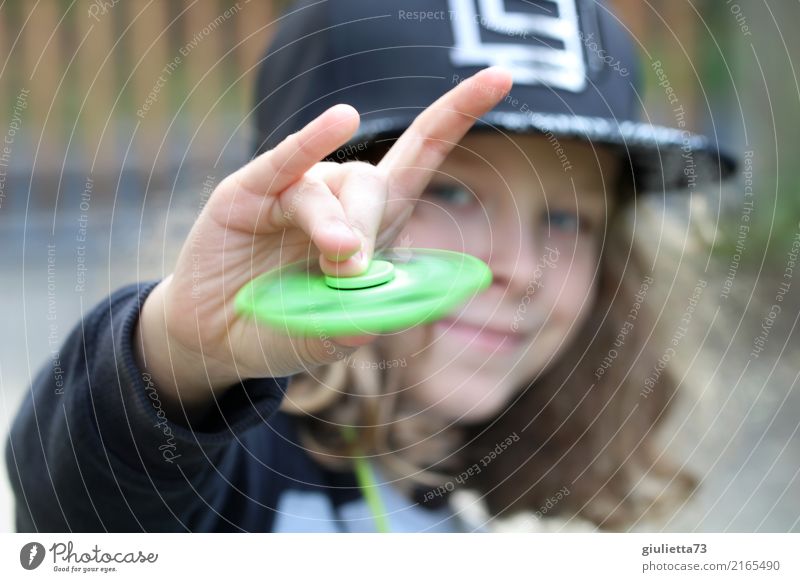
482,338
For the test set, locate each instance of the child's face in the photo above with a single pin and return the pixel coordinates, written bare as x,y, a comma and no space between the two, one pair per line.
536,216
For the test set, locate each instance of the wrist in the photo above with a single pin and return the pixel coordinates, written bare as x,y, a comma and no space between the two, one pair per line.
185,380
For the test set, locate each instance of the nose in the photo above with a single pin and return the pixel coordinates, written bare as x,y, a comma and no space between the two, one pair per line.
512,250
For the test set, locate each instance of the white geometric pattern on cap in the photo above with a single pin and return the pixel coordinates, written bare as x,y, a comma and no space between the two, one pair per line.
531,65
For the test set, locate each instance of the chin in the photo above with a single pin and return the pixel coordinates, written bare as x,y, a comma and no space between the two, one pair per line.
464,397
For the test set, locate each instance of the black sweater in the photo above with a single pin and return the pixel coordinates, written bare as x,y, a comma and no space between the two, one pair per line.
92,450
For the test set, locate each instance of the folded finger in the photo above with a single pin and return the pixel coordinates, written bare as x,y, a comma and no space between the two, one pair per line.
363,197
311,206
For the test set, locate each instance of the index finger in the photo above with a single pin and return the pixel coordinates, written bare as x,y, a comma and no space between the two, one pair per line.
435,132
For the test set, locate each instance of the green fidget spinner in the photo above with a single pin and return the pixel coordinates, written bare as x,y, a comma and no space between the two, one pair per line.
401,288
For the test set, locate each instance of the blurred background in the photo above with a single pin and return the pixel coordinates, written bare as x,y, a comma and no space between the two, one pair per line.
118,118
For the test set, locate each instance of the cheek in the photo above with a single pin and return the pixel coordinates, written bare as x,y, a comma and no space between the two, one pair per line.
434,228
570,284
422,235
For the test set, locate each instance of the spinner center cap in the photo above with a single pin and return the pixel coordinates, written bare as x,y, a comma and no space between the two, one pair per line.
378,273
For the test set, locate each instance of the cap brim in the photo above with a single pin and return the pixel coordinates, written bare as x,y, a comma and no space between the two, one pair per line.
662,158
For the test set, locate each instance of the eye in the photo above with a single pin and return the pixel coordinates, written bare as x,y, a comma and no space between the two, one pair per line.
451,194
566,221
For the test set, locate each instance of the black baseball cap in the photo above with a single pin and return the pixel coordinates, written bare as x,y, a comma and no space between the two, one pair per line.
576,75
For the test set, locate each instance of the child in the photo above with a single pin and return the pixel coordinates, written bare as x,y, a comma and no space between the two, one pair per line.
179,415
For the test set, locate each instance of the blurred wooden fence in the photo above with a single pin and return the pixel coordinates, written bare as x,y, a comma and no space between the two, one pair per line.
147,84
101,83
